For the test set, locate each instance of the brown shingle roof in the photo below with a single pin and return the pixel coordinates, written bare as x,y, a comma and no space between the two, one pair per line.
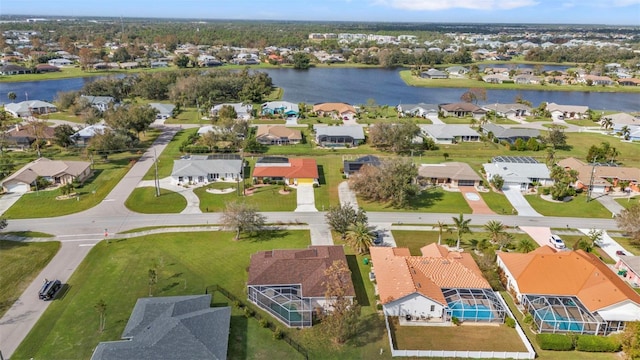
296,266
601,173
340,108
278,131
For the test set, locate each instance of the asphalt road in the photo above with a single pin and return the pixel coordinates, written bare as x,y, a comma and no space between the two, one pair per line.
78,232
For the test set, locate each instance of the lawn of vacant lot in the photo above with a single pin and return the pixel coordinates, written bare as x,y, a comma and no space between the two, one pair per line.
433,200
577,207
21,262
265,198
144,200
416,239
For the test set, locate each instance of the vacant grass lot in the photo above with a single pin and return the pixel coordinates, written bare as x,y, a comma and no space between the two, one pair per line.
497,202
21,262
265,198
470,338
578,207
415,239
433,200
144,200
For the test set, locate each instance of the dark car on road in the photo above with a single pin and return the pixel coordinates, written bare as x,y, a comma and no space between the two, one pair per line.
49,289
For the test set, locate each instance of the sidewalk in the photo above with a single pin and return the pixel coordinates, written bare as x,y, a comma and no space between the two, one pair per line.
610,203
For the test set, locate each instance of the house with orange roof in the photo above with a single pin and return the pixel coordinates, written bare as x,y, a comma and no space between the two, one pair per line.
602,178
293,171
569,291
290,284
340,111
437,286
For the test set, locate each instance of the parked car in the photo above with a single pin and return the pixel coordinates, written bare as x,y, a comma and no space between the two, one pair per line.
556,242
620,252
377,238
49,289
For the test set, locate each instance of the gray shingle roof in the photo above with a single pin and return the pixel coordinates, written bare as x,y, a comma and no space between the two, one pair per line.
355,131
447,131
176,327
502,132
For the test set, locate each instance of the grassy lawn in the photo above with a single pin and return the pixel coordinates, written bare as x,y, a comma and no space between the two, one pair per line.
571,240
28,234
497,202
21,262
44,204
470,338
186,264
416,239
433,200
144,200
628,244
170,153
627,203
266,198
578,207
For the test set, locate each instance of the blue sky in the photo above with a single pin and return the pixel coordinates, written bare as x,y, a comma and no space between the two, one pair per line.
621,12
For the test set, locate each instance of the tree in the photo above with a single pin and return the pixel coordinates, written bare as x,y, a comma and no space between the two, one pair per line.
101,308
526,245
182,61
628,220
460,227
495,229
153,280
393,182
603,153
66,189
12,95
397,138
497,182
108,142
441,226
556,137
227,112
62,135
360,237
341,322
606,122
473,95
625,132
595,236
241,217
631,340
301,61
342,217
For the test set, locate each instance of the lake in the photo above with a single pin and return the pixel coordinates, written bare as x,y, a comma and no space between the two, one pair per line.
357,86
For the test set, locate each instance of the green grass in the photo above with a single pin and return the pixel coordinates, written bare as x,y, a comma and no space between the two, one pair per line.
76,72
265,198
628,244
28,234
170,153
416,239
497,202
149,228
628,202
144,200
578,207
434,200
186,264
21,262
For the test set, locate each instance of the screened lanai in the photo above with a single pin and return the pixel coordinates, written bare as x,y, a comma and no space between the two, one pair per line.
561,314
477,305
284,303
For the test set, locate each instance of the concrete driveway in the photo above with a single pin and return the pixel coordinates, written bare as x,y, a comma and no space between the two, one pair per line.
435,120
540,234
306,198
346,195
517,200
609,245
7,200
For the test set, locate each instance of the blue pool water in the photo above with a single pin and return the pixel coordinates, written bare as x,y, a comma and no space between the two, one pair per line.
562,323
470,312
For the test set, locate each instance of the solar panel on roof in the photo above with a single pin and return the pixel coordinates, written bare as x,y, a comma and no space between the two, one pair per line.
514,159
273,160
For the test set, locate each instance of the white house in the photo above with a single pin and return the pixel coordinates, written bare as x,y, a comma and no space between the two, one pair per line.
203,169
519,171
243,111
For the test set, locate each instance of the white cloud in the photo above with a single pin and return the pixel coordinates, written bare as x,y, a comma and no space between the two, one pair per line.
463,4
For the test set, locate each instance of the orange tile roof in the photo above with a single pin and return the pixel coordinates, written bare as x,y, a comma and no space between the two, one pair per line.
298,169
341,108
399,274
570,273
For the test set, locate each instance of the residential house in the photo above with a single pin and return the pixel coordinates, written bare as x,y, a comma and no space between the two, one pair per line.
165,111
462,109
620,120
84,135
629,82
171,327
629,268
208,61
277,135
290,284
204,169
21,137
508,110
457,71
451,174
101,103
434,74
596,80
418,110
129,65
602,178
46,68
57,172
564,112
437,286
340,111
496,78
12,69
158,64
293,171
526,79
29,108
569,291
283,108
243,111
353,166
449,133
508,134
518,171
343,135
60,62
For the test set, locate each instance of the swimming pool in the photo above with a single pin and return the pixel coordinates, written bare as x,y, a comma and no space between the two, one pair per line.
470,312
562,323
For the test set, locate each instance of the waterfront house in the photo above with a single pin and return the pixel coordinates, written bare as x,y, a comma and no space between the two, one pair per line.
462,109
449,133
344,135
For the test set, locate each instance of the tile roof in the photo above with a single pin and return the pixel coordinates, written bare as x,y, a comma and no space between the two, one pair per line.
569,273
277,132
452,170
462,106
399,274
296,266
297,169
47,168
340,108
601,173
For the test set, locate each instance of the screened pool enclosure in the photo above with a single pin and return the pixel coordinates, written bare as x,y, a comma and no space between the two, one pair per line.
284,303
562,314
476,305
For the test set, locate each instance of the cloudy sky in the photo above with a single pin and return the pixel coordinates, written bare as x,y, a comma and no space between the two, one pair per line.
622,12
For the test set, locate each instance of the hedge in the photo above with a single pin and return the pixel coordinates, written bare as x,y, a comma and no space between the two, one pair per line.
555,342
592,343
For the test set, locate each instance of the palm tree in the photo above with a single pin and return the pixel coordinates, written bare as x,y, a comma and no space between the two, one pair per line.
495,229
441,227
360,237
551,156
11,95
526,245
606,122
460,227
626,132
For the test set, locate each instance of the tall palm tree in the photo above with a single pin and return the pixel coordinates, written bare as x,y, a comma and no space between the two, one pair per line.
441,227
360,237
460,227
626,132
606,122
495,229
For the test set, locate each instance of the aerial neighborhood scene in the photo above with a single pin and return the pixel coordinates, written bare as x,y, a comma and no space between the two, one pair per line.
353,179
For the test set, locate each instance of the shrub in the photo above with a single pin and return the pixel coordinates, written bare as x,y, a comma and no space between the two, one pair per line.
592,343
455,321
248,312
510,322
545,191
278,334
237,304
555,342
263,323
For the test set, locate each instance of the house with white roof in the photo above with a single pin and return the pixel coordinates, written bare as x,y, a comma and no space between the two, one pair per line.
84,135
449,133
203,169
29,108
563,112
243,111
165,111
518,171
101,103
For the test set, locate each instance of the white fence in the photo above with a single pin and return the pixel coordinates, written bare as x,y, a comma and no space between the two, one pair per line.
530,354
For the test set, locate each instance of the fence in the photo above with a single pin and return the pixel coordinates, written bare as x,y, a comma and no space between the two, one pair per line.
258,316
